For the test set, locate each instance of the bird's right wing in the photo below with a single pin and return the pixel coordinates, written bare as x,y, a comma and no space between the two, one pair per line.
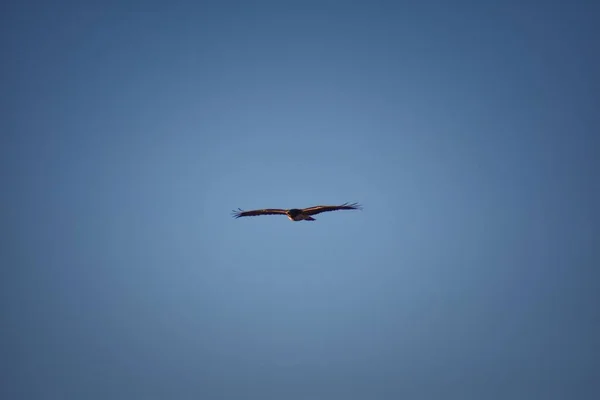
254,213
319,209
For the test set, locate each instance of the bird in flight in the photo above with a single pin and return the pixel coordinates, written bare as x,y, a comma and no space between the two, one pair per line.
296,214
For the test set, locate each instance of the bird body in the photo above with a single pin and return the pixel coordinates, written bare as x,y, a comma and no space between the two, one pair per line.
296,214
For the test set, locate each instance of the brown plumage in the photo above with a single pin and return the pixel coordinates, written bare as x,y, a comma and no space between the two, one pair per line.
296,214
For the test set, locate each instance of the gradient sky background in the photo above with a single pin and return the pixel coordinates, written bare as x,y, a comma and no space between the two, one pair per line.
468,130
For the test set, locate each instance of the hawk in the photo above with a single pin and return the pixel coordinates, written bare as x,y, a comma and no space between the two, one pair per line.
296,214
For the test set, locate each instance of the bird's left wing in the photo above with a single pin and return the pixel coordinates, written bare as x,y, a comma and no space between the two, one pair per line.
253,213
319,209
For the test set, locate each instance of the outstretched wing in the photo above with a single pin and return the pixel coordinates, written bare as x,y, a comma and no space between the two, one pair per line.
319,209
253,213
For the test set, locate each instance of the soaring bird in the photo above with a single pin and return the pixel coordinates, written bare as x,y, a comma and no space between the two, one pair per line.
296,214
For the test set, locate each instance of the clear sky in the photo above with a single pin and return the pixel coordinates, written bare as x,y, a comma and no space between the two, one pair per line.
467,130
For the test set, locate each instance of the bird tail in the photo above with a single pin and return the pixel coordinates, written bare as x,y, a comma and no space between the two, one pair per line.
309,218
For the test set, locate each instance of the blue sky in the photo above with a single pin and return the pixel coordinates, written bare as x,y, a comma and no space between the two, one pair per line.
468,131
